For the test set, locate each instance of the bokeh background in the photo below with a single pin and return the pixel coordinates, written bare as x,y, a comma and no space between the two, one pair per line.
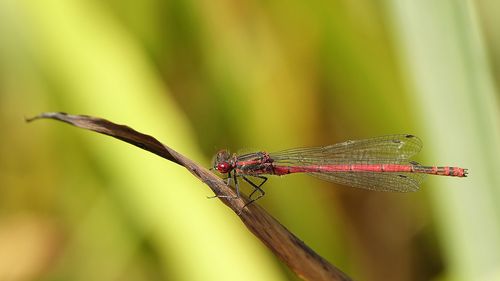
204,75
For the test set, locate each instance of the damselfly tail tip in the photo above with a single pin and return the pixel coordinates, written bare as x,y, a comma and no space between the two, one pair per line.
466,172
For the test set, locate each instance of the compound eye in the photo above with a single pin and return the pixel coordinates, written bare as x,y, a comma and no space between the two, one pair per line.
223,167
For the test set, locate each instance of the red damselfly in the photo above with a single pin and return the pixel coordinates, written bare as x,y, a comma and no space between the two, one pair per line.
381,164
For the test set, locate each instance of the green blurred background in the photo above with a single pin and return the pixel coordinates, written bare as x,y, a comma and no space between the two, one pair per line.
205,75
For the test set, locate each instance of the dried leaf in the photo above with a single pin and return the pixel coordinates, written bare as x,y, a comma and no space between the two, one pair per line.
299,257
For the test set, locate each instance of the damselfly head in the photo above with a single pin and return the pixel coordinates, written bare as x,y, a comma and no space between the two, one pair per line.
222,162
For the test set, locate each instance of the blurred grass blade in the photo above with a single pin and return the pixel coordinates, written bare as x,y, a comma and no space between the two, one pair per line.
90,63
447,68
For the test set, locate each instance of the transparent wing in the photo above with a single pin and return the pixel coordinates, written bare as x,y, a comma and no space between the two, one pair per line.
391,149
399,182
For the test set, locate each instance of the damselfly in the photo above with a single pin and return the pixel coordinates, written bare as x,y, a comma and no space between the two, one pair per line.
381,164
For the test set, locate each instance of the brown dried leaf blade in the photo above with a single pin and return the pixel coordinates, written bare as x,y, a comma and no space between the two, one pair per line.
299,257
